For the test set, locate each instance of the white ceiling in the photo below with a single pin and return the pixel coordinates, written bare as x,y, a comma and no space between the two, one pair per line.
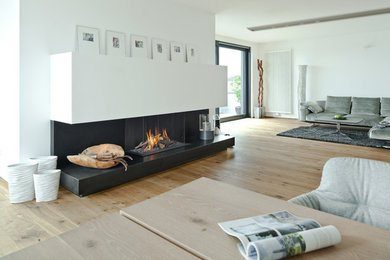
234,16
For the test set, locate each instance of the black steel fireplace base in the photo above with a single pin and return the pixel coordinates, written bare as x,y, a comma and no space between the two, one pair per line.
85,181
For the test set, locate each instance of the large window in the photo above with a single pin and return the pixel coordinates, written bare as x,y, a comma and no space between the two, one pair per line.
236,58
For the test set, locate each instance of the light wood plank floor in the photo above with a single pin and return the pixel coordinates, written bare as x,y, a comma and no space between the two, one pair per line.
280,167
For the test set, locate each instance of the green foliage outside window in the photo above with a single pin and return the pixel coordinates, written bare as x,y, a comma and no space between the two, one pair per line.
236,87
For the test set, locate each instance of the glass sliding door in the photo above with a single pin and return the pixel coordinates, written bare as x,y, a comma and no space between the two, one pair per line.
236,58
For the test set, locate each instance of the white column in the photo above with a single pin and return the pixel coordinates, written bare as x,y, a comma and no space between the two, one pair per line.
301,91
9,84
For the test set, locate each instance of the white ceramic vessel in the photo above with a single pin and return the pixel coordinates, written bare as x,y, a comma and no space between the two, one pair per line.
46,185
45,162
21,182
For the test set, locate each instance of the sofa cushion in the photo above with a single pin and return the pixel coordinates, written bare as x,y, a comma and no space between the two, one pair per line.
321,103
314,107
338,105
367,120
369,106
320,116
385,107
386,120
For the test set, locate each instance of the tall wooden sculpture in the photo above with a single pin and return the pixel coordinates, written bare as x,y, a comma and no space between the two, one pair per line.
260,110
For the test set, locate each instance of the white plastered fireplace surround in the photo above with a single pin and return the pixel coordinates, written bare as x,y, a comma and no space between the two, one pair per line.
89,88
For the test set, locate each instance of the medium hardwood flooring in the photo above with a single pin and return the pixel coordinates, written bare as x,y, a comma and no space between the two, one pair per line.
280,167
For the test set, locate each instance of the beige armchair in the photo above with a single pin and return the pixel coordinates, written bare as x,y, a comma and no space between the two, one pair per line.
355,188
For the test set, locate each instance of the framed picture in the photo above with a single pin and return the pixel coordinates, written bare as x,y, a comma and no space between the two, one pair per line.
178,52
115,43
160,50
139,46
192,54
88,40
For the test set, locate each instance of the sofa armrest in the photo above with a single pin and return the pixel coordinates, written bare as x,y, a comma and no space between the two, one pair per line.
309,200
303,111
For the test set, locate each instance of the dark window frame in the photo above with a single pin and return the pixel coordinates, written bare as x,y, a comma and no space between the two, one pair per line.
246,74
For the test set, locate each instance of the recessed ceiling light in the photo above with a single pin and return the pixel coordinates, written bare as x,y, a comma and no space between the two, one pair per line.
320,19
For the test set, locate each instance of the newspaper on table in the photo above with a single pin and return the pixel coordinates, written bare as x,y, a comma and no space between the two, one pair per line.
279,235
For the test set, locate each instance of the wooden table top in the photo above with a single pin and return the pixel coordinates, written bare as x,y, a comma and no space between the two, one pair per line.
111,237
187,216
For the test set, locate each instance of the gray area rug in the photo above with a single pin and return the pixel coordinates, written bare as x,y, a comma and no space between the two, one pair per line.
327,134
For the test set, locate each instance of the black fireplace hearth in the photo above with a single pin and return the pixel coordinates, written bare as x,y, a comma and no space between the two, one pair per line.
182,129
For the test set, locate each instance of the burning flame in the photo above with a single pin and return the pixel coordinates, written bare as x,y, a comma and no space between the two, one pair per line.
153,140
165,134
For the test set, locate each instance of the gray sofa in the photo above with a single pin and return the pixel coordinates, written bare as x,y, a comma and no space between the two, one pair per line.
354,188
374,112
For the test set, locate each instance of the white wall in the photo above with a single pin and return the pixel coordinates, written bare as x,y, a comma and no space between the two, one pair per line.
9,82
254,72
48,26
350,65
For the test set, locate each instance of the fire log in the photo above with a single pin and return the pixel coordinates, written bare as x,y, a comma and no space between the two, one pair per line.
141,144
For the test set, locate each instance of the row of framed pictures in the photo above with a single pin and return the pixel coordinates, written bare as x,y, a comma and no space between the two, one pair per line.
88,42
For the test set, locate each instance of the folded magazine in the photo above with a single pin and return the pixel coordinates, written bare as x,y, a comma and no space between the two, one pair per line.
279,235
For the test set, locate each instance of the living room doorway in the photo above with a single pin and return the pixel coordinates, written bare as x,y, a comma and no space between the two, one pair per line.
236,58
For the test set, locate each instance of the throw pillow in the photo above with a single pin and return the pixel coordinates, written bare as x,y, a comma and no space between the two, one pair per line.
367,106
385,107
314,107
338,105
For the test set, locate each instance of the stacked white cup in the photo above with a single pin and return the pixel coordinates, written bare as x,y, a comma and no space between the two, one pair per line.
21,182
46,185
47,179
45,162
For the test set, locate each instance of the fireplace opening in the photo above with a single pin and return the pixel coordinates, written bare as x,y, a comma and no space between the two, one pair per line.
156,142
